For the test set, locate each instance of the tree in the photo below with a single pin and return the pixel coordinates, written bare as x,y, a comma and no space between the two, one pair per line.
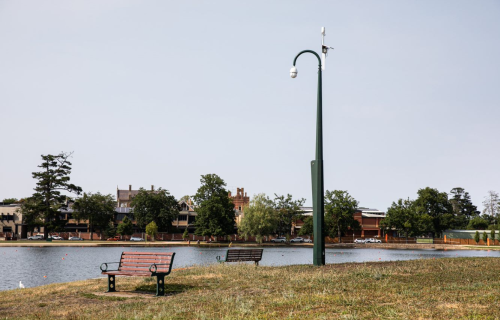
492,234
260,219
125,228
52,179
339,213
463,209
485,237
491,204
185,198
185,235
307,227
477,223
436,205
97,209
110,230
152,230
158,206
402,216
31,216
288,213
476,237
215,211
10,200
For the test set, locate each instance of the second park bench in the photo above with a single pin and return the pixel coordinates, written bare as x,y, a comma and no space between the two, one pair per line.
237,255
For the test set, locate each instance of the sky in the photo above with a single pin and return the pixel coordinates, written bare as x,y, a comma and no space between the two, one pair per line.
161,92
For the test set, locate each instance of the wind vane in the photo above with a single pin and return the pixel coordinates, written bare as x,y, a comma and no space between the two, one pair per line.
324,49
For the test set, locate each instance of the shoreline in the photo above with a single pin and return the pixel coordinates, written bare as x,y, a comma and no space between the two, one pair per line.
405,246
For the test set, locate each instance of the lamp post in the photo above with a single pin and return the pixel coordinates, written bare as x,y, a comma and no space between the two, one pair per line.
317,165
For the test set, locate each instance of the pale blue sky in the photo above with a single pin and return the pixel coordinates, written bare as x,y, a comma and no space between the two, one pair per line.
161,92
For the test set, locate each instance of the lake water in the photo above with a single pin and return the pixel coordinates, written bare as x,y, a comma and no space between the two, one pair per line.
36,266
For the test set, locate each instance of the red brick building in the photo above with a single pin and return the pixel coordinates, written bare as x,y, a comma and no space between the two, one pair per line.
369,220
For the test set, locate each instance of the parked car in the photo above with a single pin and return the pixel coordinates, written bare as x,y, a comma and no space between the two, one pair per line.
36,237
308,241
359,241
372,240
57,238
115,238
75,239
298,239
136,239
279,239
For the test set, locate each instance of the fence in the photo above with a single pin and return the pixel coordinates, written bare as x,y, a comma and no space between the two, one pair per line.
397,240
163,236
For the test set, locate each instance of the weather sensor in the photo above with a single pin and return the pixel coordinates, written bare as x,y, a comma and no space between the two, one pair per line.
324,49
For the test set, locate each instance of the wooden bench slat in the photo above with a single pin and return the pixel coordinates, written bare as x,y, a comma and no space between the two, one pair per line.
144,257
149,253
146,261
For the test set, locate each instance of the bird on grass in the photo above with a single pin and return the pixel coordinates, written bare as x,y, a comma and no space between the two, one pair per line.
21,285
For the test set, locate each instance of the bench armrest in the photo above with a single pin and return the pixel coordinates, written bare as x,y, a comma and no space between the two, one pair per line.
158,264
105,265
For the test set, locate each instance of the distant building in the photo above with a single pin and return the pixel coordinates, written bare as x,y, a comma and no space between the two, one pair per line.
240,200
11,221
369,220
187,214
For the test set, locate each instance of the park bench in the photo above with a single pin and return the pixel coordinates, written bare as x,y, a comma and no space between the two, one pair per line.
141,264
237,255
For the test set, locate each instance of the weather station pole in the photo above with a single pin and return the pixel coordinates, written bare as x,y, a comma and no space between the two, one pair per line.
317,164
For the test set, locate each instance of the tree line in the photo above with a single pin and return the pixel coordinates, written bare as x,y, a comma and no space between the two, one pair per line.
264,217
434,211
152,210
430,214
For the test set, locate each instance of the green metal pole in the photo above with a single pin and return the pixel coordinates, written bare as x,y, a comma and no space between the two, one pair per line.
317,177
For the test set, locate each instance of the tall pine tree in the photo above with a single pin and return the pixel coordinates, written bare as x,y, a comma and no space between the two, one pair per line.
52,179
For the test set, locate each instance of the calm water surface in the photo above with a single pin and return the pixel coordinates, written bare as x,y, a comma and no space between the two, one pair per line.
39,266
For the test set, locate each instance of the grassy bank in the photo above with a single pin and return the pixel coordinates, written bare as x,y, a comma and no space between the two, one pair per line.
419,289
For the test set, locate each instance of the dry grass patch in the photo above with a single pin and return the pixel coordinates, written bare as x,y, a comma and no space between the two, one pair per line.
459,288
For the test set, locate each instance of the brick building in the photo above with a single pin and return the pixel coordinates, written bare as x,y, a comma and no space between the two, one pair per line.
124,197
369,220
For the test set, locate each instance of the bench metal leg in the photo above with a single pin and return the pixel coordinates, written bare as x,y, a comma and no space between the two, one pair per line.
111,283
160,285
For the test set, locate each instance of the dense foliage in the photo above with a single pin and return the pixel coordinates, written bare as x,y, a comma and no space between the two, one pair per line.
215,211
288,212
151,230
433,212
340,207
125,228
97,209
260,218
158,206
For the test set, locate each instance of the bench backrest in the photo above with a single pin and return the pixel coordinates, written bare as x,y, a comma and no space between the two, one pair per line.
244,254
140,262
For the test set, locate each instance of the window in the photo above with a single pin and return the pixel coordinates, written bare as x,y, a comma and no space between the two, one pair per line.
7,229
182,217
191,219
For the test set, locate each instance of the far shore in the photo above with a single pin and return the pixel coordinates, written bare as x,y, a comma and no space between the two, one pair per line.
97,243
